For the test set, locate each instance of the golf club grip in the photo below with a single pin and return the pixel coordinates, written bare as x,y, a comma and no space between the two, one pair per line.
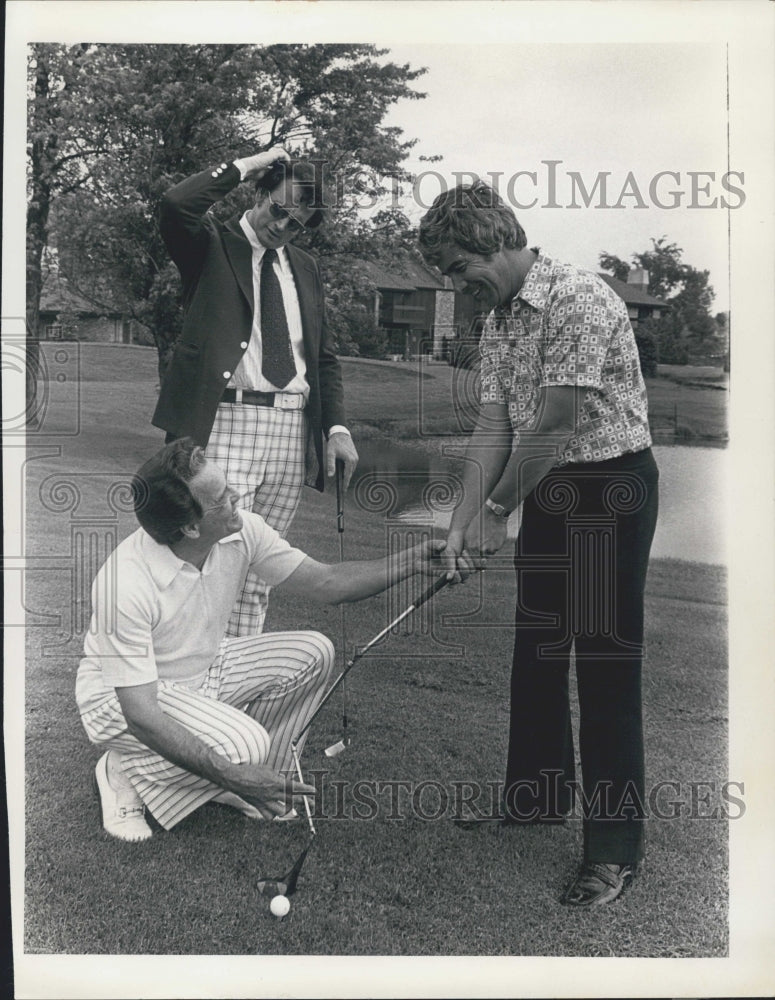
434,588
339,465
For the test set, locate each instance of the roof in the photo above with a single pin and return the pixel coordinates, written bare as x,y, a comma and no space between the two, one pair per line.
632,294
408,278
56,297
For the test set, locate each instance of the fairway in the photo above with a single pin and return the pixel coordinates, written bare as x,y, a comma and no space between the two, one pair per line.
389,872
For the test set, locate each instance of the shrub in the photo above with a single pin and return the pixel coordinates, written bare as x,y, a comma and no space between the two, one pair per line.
672,351
372,341
648,352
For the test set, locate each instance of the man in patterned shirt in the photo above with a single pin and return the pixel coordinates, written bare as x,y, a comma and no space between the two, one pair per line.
563,430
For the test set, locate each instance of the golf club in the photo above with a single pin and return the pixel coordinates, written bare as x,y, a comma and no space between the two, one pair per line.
337,748
285,885
434,588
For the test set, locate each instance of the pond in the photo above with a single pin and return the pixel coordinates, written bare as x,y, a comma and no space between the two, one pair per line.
405,482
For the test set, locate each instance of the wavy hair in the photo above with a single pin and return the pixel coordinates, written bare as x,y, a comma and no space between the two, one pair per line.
474,217
163,501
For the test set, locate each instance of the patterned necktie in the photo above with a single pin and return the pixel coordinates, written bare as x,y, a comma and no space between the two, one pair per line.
277,364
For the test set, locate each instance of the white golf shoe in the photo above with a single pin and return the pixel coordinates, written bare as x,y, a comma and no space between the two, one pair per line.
123,812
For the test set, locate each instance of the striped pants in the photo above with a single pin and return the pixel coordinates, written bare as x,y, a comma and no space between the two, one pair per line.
258,693
262,453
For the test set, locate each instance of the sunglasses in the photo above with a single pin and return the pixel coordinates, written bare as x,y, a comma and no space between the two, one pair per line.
280,213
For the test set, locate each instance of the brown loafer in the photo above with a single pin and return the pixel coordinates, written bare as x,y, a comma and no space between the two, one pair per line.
598,883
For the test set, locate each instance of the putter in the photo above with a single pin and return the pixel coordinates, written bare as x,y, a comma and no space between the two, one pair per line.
285,885
338,747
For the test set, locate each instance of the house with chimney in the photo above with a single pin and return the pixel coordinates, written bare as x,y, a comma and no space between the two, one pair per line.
418,308
422,314
635,292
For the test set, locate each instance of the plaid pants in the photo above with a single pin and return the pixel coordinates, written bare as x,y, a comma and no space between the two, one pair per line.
258,693
262,452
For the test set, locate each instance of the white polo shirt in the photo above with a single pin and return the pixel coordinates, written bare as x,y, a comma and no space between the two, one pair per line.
155,616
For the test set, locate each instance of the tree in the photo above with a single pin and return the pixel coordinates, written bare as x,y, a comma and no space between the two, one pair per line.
647,342
155,114
693,304
152,114
669,331
55,73
688,324
387,238
615,265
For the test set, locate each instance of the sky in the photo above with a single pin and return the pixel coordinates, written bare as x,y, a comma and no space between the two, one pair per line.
639,108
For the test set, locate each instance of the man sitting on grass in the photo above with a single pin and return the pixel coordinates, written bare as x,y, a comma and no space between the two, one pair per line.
186,716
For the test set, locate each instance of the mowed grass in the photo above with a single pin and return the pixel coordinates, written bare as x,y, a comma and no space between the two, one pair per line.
408,401
430,704
443,402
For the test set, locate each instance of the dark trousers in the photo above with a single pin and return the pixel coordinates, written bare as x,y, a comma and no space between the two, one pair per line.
581,560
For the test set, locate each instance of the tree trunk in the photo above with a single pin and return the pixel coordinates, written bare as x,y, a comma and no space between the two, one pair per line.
43,142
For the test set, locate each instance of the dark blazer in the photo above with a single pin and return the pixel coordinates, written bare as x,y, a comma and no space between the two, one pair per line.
216,264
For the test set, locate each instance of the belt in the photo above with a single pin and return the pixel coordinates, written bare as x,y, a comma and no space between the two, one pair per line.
281,400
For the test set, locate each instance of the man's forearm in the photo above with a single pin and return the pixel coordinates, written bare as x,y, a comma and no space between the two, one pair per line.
339,583
186,202
539,450
485,459
182,212
330,380
249,779
533,457
175,743
358,579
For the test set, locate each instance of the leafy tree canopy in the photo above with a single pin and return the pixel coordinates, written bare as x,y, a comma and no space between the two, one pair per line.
668,274
687,291
111,127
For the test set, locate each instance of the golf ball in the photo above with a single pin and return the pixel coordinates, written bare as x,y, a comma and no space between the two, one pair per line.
280,906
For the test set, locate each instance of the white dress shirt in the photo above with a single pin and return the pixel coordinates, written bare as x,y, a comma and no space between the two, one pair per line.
248,373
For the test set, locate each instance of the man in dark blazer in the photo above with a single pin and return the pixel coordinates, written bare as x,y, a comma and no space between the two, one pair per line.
254,378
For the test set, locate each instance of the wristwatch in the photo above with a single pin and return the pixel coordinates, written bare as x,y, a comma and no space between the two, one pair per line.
497,508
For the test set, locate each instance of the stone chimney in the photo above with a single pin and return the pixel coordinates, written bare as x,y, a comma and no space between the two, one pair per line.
639,278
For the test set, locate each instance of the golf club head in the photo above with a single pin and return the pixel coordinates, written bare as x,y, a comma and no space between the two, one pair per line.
273,886
284,885
336,748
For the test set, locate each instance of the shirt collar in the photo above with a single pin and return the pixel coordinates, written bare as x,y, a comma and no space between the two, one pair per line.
538,280
162,562
164,565
258,247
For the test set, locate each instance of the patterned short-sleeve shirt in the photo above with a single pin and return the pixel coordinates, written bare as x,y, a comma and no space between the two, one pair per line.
567,327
